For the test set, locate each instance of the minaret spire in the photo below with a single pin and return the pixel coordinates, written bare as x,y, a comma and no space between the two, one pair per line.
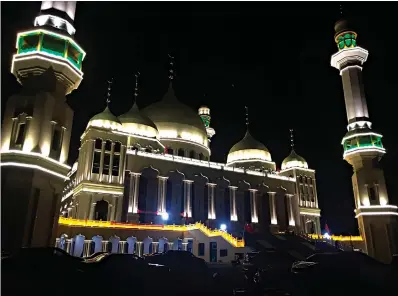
108,96
171,69
291,139
247,117
136,86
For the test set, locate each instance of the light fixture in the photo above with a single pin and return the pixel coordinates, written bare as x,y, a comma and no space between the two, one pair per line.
223,227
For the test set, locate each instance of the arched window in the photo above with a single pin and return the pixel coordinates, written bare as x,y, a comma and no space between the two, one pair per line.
201,156
181,152
108,145
309,181
149,150
170,151
191,154
101,210
301,179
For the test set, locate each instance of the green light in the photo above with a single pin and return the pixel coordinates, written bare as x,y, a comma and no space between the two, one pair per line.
52,44
206,120
362,142
346,40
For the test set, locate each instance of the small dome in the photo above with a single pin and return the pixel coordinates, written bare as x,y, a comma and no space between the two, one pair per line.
294,161
105,119
135,122
248,149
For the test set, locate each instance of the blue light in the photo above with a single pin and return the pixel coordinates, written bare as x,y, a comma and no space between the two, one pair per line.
165,216
326,235
223,227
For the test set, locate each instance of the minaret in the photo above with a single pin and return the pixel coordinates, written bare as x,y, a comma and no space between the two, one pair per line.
363,149
37,127
204,113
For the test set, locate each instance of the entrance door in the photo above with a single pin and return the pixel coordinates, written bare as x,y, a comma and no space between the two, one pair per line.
213,251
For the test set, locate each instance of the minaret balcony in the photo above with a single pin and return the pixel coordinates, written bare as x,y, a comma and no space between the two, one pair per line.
363,142
40,49
348,56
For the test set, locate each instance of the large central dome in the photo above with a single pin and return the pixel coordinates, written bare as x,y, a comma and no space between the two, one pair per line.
176,122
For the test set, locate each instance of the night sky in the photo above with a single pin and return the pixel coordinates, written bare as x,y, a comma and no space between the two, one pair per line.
277,54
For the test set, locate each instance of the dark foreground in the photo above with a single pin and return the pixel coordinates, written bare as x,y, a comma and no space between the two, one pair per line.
176,273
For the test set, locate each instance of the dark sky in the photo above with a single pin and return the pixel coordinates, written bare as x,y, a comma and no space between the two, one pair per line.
276,53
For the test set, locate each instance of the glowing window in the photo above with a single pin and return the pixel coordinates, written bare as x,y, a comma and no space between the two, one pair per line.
347,40
74,55
54,45
28,43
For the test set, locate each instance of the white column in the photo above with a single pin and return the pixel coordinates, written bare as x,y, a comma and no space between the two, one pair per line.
162,181
89,159
272,208
111,162
133,192
92,210
253,205
210,192
102,160
232,198
121,164
289,200
188,198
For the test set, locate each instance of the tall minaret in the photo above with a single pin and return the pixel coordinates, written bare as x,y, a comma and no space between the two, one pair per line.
363,149
37,127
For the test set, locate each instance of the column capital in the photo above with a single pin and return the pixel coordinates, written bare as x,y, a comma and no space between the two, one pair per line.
187,181
233,187
211,184
253,190
162,177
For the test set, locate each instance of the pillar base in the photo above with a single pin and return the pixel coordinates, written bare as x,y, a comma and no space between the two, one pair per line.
274,228
133,218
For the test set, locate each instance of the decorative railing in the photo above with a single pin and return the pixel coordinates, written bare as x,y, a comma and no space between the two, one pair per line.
238,243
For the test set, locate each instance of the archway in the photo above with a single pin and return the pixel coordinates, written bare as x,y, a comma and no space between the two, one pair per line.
101,210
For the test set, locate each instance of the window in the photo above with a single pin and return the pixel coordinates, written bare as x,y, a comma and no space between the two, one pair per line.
372,193
108,145
54,45
74,55
28,43
223,253
149,150
20,134
118,146
191,154
347,40
56,141
201,249
170,151
115,165
201,156
181,152
98,144
107,160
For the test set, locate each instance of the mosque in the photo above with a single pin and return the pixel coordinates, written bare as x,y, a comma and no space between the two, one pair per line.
145,179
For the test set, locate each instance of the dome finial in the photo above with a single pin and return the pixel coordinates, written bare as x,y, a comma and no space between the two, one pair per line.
291,139
247,117
108,96
171,70
136,86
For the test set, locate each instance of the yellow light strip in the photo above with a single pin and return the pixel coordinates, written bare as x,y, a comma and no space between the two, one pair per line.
38,55
51,33
35,154
36,167
180,228
337,237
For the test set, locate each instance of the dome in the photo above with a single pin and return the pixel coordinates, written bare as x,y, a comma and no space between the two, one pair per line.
135,122
248,149
105,119
175,120
294,161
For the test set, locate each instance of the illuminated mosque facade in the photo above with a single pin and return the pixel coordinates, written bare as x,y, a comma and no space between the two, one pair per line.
147,166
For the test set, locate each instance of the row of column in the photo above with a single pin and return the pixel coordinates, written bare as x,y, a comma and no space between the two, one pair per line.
162,190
